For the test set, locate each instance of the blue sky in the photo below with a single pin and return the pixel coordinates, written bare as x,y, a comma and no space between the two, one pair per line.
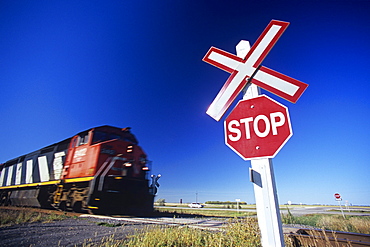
67,66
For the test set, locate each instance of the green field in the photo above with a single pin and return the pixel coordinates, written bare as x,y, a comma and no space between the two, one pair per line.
205,212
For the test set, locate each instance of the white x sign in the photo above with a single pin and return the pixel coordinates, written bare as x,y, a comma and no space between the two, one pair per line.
249,70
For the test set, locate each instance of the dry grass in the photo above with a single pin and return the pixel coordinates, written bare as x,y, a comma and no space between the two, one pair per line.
9,217
241,233
359,224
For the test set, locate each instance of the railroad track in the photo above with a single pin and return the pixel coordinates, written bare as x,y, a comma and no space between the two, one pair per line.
318,238
205,224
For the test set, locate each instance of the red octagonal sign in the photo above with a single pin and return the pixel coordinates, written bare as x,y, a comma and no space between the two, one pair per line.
257,128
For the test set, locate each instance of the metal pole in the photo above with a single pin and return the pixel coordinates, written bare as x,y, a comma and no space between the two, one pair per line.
340,206
262,175
267,204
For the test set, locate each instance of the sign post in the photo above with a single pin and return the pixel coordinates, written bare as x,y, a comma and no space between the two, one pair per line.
261,171
339,199
263,179
267,204
258,126
237,205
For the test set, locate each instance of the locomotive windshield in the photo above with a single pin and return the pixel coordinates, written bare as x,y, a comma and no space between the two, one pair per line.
100,136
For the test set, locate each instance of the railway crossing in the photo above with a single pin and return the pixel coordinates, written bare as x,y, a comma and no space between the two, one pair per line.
247,73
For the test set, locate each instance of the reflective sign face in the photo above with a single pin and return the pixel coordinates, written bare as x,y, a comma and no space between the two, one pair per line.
257,128
242,69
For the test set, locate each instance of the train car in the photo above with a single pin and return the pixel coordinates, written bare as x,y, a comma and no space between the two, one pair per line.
100,170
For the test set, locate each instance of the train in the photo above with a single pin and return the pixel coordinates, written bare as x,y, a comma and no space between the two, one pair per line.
102,170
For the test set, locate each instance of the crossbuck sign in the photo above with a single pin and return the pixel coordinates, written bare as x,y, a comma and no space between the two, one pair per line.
249,70
258,127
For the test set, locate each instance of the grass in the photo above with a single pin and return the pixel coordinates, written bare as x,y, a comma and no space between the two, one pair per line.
358,224
239,232
9,217
107,224
244,232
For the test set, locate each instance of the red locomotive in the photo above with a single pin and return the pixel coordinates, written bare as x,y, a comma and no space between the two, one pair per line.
100,170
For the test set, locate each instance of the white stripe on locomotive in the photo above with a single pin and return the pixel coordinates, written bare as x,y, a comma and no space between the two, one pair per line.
58,164
18,174
43,169
2,173
10,174
29,178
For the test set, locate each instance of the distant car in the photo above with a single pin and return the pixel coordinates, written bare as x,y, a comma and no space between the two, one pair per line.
195,205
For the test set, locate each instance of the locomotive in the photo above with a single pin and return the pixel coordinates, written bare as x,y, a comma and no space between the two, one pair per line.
100,170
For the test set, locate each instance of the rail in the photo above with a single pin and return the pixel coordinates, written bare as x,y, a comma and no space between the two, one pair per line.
318,238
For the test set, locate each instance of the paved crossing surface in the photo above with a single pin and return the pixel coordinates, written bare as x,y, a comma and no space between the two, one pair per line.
207,224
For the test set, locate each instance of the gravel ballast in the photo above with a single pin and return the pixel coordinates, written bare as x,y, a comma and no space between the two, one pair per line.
69,232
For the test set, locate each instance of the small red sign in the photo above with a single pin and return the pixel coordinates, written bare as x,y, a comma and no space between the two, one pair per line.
337,196
257,127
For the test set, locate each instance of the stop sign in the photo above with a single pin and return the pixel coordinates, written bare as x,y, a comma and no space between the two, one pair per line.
337,196
257,128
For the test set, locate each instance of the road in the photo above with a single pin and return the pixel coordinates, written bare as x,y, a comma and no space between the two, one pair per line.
296,211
